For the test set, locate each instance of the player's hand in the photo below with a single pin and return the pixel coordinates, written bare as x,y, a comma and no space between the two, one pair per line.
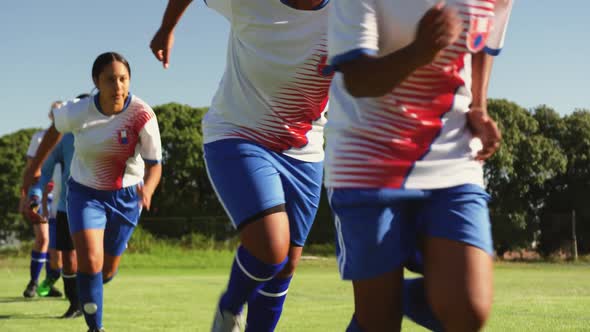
485,128
29,178
439,28
145,196
161,46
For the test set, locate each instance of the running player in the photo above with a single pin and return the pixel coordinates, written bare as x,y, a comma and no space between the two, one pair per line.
263,147
114,172
407,135
30,207
60,160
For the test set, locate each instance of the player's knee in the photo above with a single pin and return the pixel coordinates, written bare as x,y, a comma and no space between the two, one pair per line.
462,313
91,262
107,276
289,268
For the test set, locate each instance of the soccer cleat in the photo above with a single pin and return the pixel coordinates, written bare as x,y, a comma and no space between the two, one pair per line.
97,330
31,289
72,312
226,321
54,292
46,288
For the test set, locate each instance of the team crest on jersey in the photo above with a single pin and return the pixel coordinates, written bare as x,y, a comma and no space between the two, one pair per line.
123,137
478,32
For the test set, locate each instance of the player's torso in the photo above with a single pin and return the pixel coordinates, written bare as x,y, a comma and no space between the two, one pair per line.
106,147
273,90
415,136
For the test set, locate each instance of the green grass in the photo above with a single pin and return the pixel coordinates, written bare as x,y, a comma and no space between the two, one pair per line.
176,290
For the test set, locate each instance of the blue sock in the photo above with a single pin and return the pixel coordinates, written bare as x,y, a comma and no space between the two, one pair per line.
37,261
416,307
353,326
51,273
90,294
247,274
266,305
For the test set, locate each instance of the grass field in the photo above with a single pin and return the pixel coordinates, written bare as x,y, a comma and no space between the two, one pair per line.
177,291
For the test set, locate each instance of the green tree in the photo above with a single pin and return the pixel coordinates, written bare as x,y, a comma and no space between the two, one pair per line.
570,189
185,191
519,174
13,148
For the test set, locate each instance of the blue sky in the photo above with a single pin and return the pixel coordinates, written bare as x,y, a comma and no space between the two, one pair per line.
48,48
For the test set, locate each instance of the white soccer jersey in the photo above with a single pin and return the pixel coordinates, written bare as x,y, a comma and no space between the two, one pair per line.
35,142
273,91
110,151
416,135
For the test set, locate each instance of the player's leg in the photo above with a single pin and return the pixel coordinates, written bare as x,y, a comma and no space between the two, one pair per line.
38,257
458,257
373,242
39,250
65,244
87,220
123,212
53,267
249,186
302,187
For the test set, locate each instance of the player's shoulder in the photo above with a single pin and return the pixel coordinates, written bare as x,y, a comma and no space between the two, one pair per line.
138,105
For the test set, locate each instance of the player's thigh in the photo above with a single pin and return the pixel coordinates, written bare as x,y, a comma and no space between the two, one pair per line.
245,179
302,186
373,235
458,251
87,220
459,282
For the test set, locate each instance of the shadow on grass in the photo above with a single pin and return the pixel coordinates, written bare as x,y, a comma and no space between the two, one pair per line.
16,299
25,316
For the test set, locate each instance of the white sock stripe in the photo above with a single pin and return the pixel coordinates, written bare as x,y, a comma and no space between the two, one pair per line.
248,273
68,276
273,294
40,260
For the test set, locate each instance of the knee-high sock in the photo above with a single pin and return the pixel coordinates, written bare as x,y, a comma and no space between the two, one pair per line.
266,305
71,289
90,295
51,274
353,326
416,307
37,261
247,274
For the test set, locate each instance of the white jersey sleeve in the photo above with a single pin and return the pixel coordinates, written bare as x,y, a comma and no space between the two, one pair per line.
495,40
353,30
149,140
34,144
221,6
70,116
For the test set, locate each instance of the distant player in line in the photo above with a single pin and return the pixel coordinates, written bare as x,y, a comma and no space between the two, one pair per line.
115,170
60,160
30,207
263,146
407,135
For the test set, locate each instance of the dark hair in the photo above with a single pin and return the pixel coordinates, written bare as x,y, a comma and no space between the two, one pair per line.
105,59
83,95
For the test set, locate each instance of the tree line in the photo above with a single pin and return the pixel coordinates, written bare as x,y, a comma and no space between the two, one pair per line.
537,179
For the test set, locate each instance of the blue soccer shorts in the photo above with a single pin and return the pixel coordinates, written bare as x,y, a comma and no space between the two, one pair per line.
117,212
250,179
379,229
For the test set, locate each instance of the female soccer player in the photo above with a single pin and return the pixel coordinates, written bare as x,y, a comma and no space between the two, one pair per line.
30,207
263,139
114,172
407,135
